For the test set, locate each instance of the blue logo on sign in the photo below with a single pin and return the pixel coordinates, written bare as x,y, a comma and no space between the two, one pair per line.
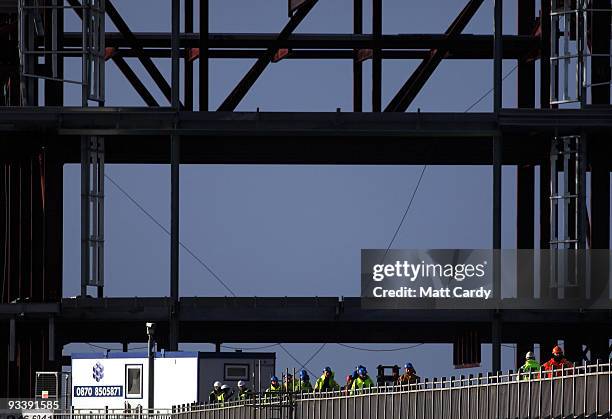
98,372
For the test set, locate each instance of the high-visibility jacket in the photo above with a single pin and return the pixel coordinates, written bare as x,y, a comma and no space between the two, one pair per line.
216,397
557,366
290,385
326,383
245,394
532,368
303,385
361,383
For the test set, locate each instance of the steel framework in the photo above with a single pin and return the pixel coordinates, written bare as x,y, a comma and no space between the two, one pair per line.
36,141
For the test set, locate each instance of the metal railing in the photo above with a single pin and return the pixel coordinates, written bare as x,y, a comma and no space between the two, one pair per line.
580,392
106,413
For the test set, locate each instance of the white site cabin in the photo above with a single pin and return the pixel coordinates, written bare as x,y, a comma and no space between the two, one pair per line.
112,379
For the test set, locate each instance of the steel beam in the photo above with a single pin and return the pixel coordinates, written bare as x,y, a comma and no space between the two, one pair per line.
525,175
497,183
129,74
411,88
460,47
203,41
377,20
229,320
357,66
301,54
175,152
188,64
133,42
238,93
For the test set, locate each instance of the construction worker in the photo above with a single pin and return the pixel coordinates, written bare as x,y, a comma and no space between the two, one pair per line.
409,376
275,389
289,384
355,373
362,381
531,367
557,363
348,384
326,381
228,393
395,375
304,382
244,393
216,395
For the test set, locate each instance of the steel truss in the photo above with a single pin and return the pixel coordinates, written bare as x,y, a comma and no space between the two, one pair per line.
520,136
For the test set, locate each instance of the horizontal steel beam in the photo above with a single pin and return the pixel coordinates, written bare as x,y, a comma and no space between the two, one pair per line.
228,319
300,54
468,46
141,135
165,121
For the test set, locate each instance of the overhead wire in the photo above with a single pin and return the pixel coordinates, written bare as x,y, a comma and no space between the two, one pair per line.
380,350
205,265
416,188
255,348
160,225
301,364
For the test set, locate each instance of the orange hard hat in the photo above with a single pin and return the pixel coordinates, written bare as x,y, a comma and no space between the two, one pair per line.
557,350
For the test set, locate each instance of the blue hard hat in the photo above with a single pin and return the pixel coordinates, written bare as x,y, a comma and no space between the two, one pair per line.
303,374
274,378
327,369
362,370
408,365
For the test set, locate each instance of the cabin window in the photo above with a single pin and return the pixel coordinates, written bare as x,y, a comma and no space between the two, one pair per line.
133,381
235,372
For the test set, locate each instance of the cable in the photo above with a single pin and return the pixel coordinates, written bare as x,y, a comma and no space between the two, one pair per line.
379,350
490,90
302,366
250,349
315,354
469,108
100,347
399,226
152,218
200,261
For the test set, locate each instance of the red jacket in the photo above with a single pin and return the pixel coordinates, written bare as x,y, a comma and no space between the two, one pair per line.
552,364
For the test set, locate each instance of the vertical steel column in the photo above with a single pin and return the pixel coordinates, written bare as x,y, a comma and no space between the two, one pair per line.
174,185
497,184
376,56
54,90
525,175
598,150
203,65
85,214
357,65
187,59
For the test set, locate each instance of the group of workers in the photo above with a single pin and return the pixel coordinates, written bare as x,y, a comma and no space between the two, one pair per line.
222,392
555,366
360,379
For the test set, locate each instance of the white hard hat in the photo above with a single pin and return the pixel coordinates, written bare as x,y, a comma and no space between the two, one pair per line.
217,384
529,355
224,386
241,383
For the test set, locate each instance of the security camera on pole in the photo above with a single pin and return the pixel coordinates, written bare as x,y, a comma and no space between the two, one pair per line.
151,349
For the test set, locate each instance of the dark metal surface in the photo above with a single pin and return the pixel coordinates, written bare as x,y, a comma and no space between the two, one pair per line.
462,46
210,319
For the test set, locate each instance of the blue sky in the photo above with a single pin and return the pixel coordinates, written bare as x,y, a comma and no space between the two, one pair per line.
298,230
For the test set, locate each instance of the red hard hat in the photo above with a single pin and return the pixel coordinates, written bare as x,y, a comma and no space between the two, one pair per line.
557,350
